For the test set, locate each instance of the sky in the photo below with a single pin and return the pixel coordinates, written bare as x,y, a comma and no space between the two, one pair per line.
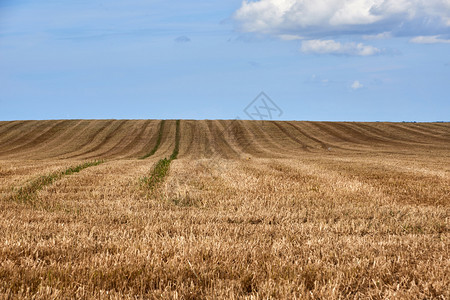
319,60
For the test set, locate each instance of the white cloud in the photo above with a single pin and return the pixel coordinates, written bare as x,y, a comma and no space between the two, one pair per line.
379,36
316,19
433,39
333,47
357,85
290,37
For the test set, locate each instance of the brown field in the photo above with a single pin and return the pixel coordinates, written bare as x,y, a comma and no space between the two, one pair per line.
257,210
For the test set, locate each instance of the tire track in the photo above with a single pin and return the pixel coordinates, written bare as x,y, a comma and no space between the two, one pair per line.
161,168
158,140
28,193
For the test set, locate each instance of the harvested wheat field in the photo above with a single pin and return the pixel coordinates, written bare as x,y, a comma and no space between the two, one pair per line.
224,210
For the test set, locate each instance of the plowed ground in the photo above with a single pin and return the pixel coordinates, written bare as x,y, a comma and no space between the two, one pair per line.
247,210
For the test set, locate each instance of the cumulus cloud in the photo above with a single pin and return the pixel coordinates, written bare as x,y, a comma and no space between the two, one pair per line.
320,19
356,85
434,39
333,47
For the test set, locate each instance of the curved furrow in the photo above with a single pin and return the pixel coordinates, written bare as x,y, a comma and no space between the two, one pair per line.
225,128
167,141
34,139
209,139
5,124
248,141
8,126
76,138
23,134
419,135
13,132
302,131
428,128
54,147
351,135
363,135
322,144
221,147
323,138
231,133
389,133
43,148
292,137
93,131
143,141
105,150
322,131
127,135
187,139
220,131
195,140
336,135
270,138
109,137
440,128
386,135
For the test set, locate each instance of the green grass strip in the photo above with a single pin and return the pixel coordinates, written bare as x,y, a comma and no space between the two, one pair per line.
158,141
177,142
161,168
29,192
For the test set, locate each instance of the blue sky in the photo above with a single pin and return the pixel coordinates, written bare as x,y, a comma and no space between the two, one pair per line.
318,60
